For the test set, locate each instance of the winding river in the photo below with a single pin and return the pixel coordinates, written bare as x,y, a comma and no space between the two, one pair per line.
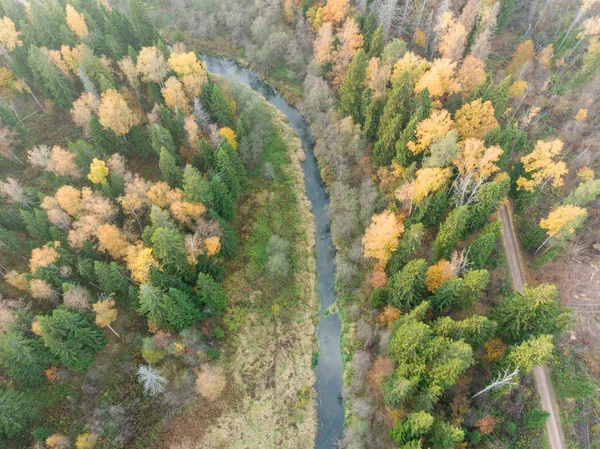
328,371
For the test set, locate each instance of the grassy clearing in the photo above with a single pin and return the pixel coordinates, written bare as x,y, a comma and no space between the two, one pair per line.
270,320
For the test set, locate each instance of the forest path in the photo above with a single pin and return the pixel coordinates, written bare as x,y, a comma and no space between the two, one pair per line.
540,373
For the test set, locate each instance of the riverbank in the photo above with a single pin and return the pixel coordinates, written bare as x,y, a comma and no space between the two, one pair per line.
270,399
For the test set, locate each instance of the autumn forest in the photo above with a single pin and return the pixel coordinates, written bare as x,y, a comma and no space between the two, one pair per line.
352,224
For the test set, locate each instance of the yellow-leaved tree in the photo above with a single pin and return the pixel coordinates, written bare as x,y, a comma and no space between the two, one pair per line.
438,274
475,119
229,135
9,36
439,79
412,63
115,114
76,22
452,37
174,95
139,260
428,180
381,237
542,166
437,125
106,313
335,11
562,222
43,257
98,171
111,239
151,65
189,70
471,73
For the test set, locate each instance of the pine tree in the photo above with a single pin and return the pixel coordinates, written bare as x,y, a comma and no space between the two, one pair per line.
351,89
449,233
71,337
407,286
17,411
168,167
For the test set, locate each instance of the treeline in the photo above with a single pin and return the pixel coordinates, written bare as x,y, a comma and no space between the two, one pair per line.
85,237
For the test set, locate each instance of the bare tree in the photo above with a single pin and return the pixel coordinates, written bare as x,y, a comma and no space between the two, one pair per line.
502,380
152,380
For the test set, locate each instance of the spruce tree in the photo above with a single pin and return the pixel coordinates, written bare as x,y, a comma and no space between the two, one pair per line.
153,304
219,108
195,187
447,294
181,310
481,249
408,247
71,337
449,233
161,138
488,201
174,122
37,225
23,359
351,89
17,411
144,30
168,247
227,171
221,200
210,295
168,168
407,286
377,42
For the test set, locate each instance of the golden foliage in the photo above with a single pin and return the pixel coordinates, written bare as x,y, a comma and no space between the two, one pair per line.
439,79
229,134
335,11
586,174
52,374
72,56
322,44
69,199
546,55
56,215
213,245
420,38
475,119
452,37
350,41
494,349
115,114
563,218
412,63
540,164
428,180
151,65
17,280
471,73
186,212
475,159
388,316
521,59
9,36
57,441
37,329
581,115
83,108
437,125
517,89
111,239
163,195
189,70
438,274
211,382
105,312
86,441
76,22
174,95
487,424
378,76
139,260
43,257
381,237
98,171
192,129
62,163
6,77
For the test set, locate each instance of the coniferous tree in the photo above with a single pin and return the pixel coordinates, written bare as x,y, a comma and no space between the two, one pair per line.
227,171
153,305
351,89
181,310
174,122
219,108
195,188
144,30
377,42
50,78
481,250
37,225
71,337
407,286
221,200
168,167
168,247
210,294
450,231
17,411
447,294
488,201
161,138
23,358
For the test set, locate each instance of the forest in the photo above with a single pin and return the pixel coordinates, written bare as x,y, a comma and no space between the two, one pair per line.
160,285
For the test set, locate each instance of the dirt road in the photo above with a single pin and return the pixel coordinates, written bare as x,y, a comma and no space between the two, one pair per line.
542,378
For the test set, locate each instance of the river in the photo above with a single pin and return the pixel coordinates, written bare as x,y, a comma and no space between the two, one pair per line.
328,371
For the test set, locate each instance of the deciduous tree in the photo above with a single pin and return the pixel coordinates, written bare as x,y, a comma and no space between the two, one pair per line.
381,237
475,119
542,166
76,22
115,114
